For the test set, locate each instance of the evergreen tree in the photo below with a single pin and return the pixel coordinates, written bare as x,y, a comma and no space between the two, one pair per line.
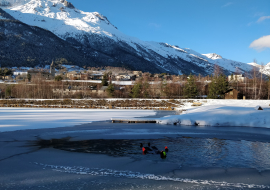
58,78
29,77
105,79
212,93
218,87
136,90
110,90
191,89
232,79
5,71
145,86
8,90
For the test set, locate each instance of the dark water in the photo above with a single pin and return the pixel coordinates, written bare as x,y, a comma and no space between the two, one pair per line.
185,151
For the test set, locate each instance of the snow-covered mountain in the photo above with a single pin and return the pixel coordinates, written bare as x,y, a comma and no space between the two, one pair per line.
102,43
228,64
265,69
30,46
254,64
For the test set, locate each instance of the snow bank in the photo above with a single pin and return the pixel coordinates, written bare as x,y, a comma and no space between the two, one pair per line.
211,113
12,119
224,113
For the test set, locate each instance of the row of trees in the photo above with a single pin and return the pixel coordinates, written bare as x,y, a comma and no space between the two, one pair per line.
255,86
141,89
192,88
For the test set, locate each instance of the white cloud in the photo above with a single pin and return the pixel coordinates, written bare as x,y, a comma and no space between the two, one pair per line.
249,24
227,4
154,25
263,18
258,14
261,43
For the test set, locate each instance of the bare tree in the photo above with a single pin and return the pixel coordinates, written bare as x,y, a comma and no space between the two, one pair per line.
217,70
261,80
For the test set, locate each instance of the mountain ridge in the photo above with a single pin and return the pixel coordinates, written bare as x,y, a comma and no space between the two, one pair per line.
104,44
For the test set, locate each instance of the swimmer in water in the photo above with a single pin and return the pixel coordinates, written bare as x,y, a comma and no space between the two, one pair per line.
144,150
153,147
163,154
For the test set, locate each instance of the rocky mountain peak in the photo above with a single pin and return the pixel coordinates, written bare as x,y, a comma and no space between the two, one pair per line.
68,4
213,56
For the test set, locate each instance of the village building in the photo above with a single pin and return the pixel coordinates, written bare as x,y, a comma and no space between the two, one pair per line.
236,78
40,75
8,77
71,75
84,76
233,94
95,76
102,90
44,75
16,73
125,76
137,73
74,75
167,77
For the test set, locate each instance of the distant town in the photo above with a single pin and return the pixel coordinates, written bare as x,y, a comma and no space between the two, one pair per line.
67,81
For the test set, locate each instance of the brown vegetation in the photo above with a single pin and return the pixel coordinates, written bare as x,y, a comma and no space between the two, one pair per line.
94,104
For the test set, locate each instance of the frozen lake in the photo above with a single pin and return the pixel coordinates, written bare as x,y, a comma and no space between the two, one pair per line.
105,155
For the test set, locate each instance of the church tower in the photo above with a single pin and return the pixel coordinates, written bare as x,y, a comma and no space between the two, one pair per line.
52,69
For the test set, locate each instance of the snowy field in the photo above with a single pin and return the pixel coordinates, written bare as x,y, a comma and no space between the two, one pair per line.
12,119
211,113
223,113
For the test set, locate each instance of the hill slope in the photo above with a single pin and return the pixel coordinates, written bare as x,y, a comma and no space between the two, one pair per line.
103,44
24,45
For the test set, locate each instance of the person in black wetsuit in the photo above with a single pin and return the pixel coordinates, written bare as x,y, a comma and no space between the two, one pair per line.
163,154
148,149
153,147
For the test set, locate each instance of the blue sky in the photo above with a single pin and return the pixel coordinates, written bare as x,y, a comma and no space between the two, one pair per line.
238,30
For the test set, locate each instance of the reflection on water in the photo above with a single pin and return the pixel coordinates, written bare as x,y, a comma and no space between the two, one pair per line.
193,152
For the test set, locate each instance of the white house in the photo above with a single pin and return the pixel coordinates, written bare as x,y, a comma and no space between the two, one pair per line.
237,78
16,73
